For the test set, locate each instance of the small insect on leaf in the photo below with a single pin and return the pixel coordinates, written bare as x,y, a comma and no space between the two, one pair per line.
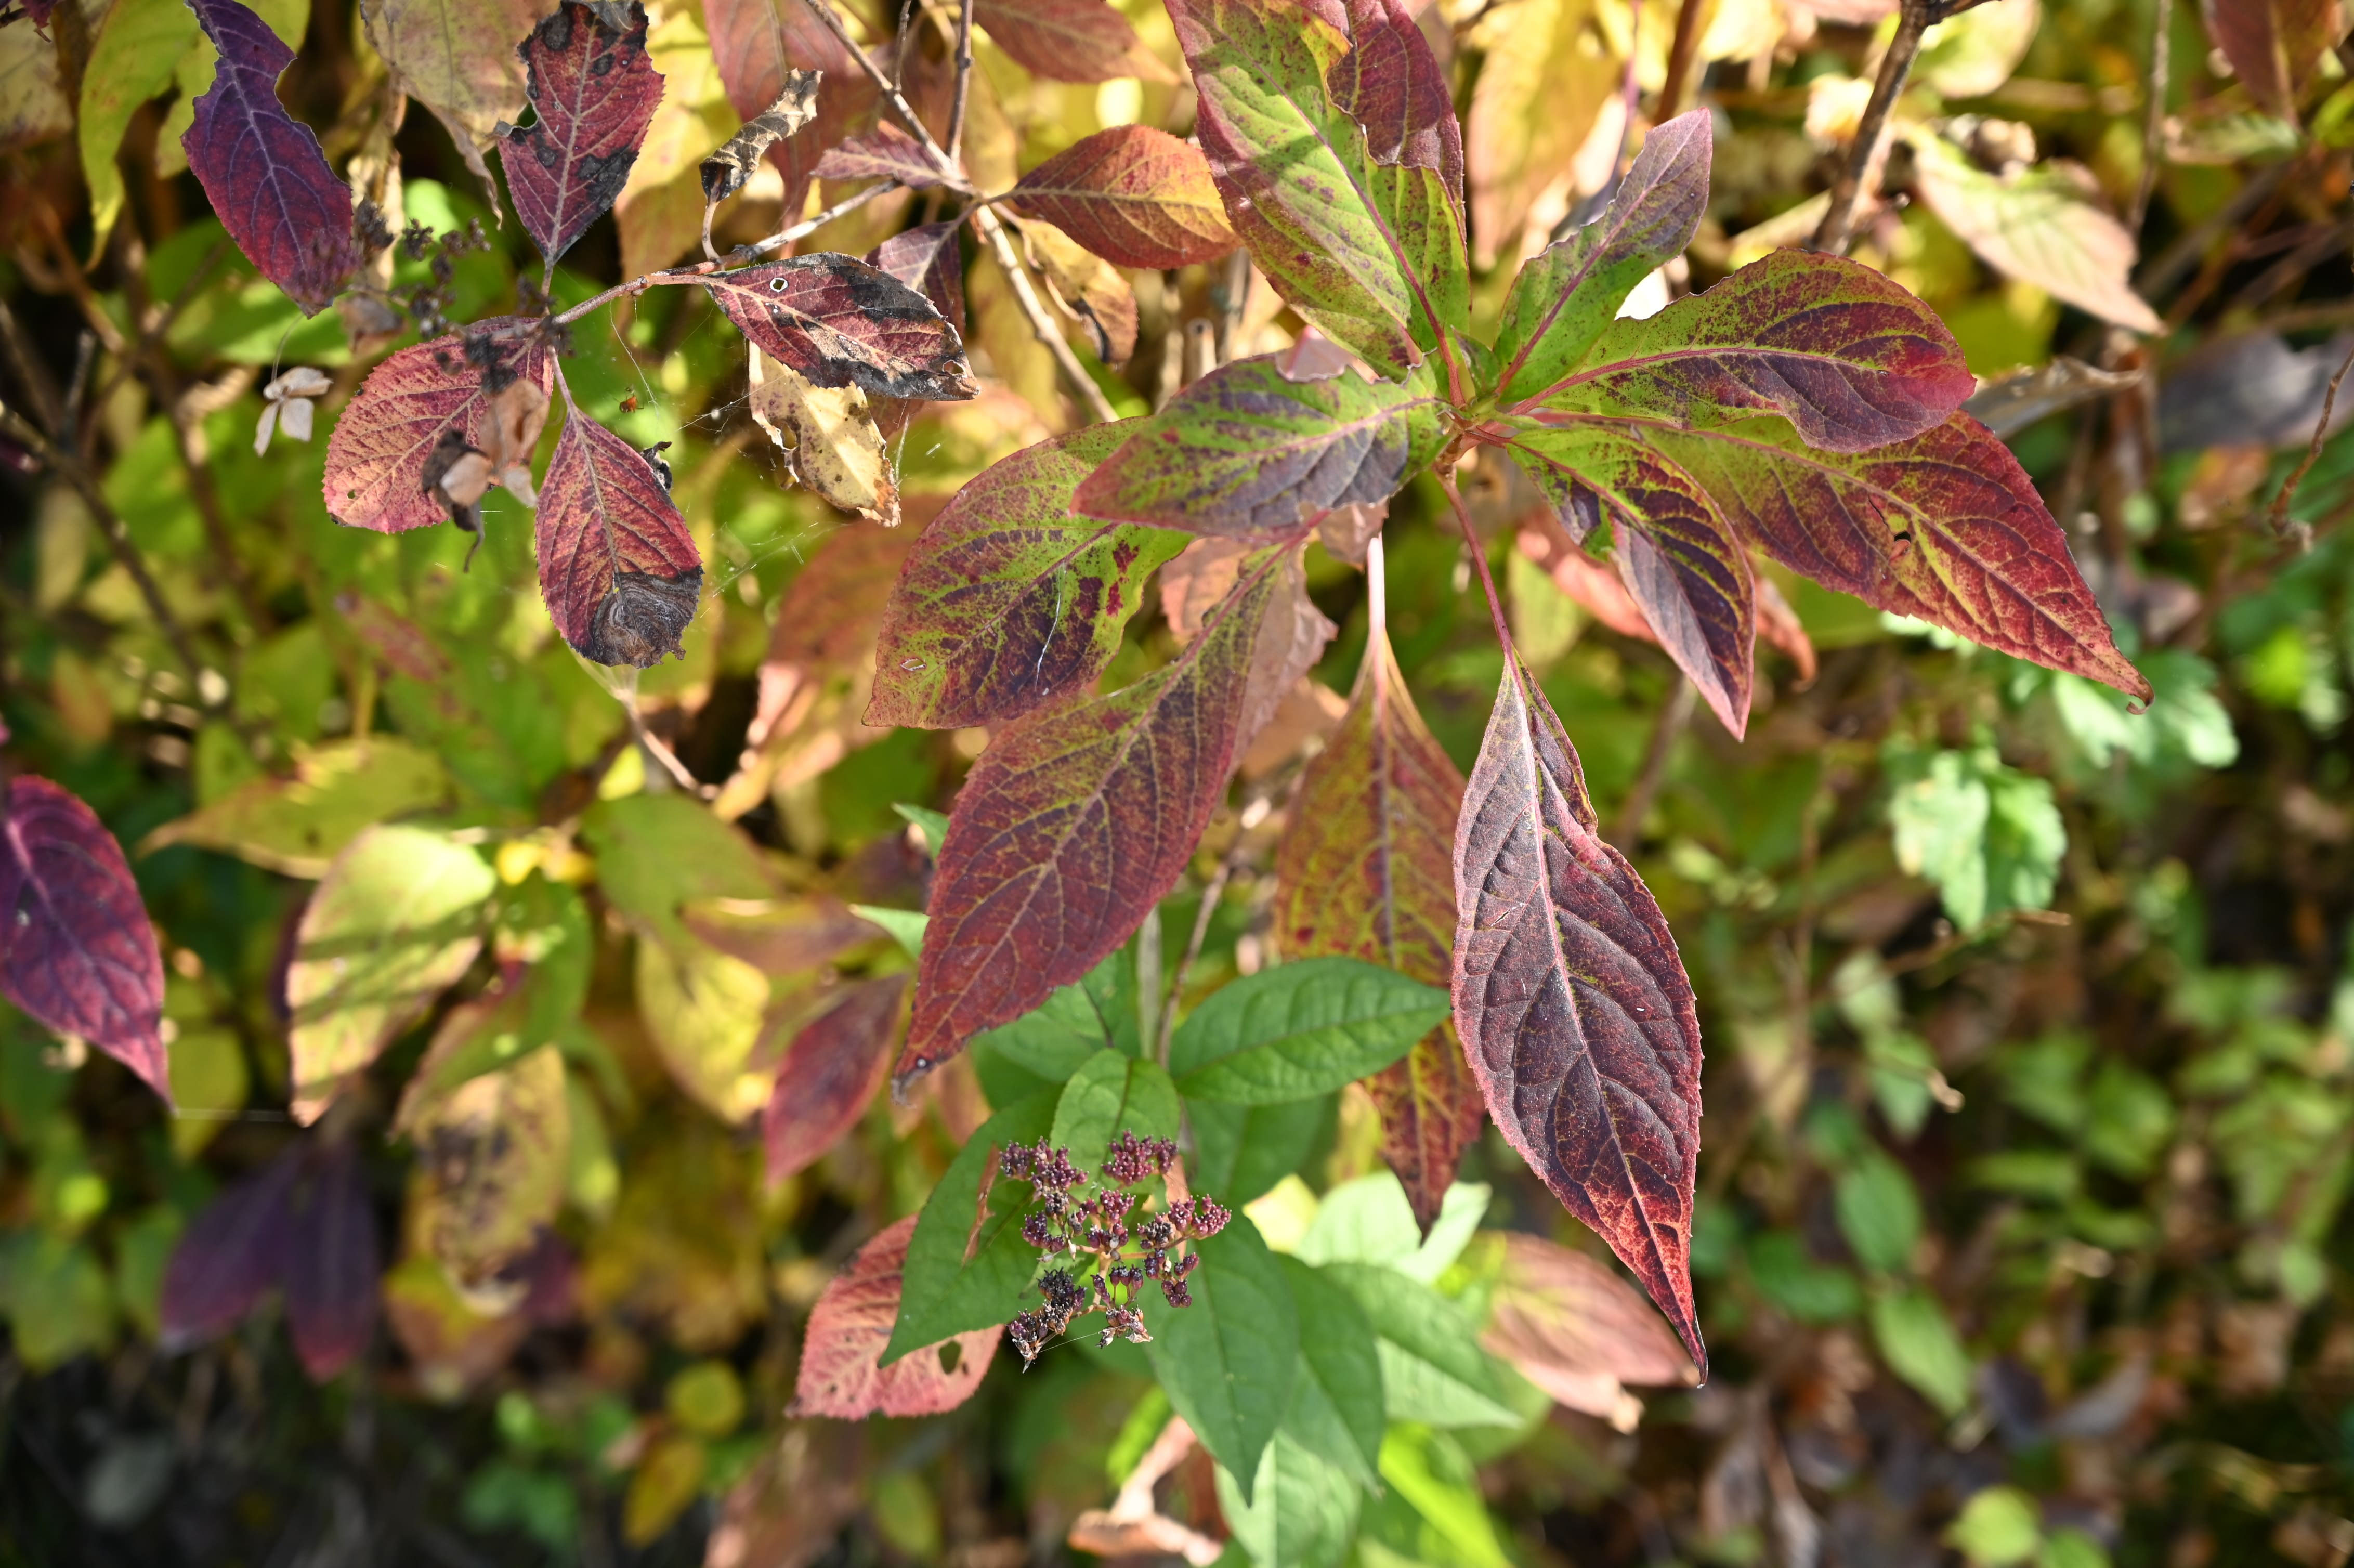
842,323
262,169
76,951
724,172
593,91
617,565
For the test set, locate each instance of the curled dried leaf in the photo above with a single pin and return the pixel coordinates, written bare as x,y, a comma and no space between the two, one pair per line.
731,164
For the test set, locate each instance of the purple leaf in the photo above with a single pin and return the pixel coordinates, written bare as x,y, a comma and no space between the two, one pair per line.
884,152
1573,1003
617,566
230,1255
593,92
77,950
836,321
1566,298
926,258
1392,84
378,449
332,1262
830,1073
262,169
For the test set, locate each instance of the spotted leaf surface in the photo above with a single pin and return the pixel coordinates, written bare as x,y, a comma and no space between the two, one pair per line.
1072,824
839,322
1850,359
839,1372
1247,452
378,452
262,169
1134,196
927,258
1365,870
1391,84
617,566
76,951
1008,598
830,1073
593,92
756,44
1572,1001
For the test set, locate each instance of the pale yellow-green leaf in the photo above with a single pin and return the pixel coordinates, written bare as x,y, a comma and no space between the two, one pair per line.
1549,65
705,1011
491,1161
2041,225
298,825
33,103
131,59
838,449
1971,55
456,56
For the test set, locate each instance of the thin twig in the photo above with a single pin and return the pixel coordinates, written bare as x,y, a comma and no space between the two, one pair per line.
1681,705
1157,1046
1682,54
2182,255
1083,386
2277,517
2153,125
963,82
1870,149
823,11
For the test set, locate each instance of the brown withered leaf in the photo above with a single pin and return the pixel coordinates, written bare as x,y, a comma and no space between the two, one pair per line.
837,449
732,163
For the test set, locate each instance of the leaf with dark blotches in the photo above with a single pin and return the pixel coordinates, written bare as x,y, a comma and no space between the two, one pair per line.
1302,191
262,169
617,565
1572,1001
1008,598
230,1256
1850,359
593,92
928,259
883,152
731,163
850,1325
1068,40
1073,824
1947,528
77,950
1566,297
829,1074
1391,84
2274,45
1134,196
1247,452
377,453
839,322
1365,870
332,1261
492,1149
1685,565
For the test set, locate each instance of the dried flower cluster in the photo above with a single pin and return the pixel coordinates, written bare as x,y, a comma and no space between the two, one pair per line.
1113,1258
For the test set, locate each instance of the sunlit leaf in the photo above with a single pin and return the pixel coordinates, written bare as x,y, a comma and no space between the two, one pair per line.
617,565
847,1330
378,450
1229,1360
2040,225
298,825
593,90
1134,196
1068,40
840,323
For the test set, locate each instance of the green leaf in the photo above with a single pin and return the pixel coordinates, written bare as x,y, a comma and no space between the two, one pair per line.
1432,1370
1988,835
1060,1033
1998,1527
1301,1512
1109,1095
1433,1477
1229,1360
1919,1344
655,852
1247,452
396,921
1879,1212
1337,1407
968,1267
1301,1029
1370,1221
906,926
298,825
934,825
138,48
1809,1291
1240,1151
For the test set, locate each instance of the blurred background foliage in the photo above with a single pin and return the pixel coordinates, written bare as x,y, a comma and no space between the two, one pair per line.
2023,1233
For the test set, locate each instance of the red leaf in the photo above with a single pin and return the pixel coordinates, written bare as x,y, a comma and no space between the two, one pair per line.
332,1262
850,1326
2275,44
76,951
231,1255
1573,1003
378,449
262,169
1072,824
1573,1327
830,1072
593,91
1068,40
1134,196
884,153
837,321
1010,599
754,42
1392,84
1364,871
927,258
617,566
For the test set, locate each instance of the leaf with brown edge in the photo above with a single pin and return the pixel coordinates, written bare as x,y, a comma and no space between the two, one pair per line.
1134,196
78,953
1364,871
837,449
928,259
262,169
883,152
378,452
840,322
1068,40
617,566
829,1075
731,163
456,56
1247,452
2274,45
593,90
1572,1001
848,1329
1073,824
1008,598
1391,84
1947,528
1850,359
1573,1327
1681,561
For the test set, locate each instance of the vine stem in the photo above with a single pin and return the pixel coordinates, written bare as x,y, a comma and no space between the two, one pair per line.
963,82
1869,151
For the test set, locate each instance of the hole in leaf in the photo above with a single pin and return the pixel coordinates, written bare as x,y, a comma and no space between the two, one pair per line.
951,1356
